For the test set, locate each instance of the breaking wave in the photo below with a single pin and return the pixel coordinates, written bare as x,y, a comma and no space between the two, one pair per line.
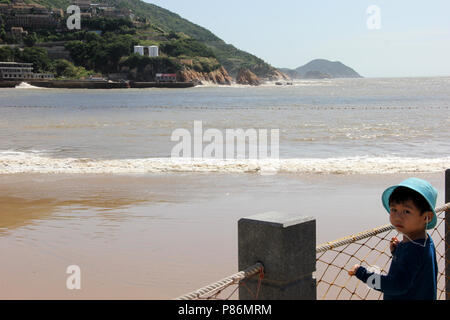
26,85
12,162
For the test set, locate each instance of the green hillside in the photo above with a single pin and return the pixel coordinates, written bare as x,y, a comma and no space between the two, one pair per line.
230,57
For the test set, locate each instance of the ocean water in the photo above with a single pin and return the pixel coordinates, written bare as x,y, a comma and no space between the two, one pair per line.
87,177
339,126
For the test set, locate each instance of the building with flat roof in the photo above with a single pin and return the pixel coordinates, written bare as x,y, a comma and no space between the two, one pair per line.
83,4
102,9
166,77
149,51
20,71
18,32
30,16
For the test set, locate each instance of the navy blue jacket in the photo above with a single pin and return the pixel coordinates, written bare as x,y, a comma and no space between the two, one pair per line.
412,275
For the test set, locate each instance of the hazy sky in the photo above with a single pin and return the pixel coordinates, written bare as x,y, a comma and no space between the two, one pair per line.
413,38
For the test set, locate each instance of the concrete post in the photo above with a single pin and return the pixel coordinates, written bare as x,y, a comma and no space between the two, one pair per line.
447,236
286,246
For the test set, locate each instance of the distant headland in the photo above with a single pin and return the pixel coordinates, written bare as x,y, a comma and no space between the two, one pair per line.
321,69
103,43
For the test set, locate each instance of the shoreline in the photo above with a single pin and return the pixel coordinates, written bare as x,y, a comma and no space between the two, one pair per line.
89,84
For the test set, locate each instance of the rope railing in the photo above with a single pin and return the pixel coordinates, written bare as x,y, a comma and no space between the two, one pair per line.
214,289
353,238
365,234
371,247
334,259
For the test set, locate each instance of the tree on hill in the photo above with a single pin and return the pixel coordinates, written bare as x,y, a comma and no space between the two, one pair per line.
6,54
30,40
38,57
171,24
187,47
101,53
142,68
66,69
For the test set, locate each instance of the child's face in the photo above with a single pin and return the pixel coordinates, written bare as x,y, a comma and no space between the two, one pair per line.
406,218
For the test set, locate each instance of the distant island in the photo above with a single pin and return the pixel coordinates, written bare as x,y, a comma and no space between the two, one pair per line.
321,69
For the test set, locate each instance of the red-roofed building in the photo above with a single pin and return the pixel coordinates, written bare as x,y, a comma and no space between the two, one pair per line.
166,77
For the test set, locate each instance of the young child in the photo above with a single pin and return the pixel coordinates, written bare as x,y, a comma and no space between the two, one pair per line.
413,272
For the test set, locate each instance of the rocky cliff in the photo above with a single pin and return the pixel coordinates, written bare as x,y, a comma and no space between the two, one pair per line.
219,76
277,75
247,77
165,22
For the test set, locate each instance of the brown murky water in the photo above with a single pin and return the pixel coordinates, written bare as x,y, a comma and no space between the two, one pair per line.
159,236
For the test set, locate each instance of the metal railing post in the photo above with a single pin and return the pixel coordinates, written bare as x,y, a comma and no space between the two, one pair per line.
447,236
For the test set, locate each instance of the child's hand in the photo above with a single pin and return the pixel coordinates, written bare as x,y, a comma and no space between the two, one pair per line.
394,244
353,271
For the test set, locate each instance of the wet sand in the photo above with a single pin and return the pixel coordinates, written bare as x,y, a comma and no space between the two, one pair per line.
160,236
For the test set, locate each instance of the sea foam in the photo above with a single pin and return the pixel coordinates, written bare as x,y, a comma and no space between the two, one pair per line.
30,162
26,85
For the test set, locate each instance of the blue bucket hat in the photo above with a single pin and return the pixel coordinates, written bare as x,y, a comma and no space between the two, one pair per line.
422,187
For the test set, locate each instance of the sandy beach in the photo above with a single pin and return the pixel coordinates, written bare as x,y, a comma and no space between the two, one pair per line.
160,236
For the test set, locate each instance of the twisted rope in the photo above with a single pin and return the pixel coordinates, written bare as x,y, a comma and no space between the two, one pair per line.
236,278
224,283
365,234
371,247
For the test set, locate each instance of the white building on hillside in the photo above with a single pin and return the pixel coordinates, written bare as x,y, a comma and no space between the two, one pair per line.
153,51
149,51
